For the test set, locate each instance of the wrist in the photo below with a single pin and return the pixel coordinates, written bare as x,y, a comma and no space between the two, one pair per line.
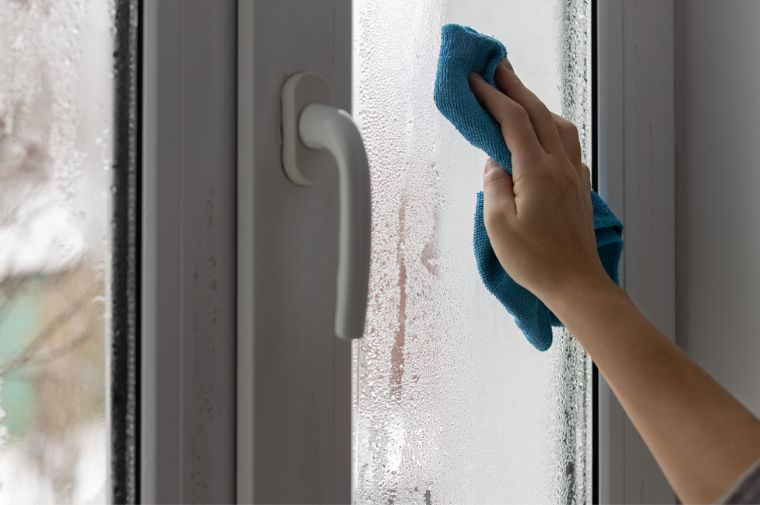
578,289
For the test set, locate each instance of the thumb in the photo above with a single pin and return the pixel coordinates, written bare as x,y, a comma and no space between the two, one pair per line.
498,195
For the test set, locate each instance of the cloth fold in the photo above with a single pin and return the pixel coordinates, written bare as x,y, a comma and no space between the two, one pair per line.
464,51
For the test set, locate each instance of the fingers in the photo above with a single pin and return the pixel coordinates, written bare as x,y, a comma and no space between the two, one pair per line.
540,116
529,128
514,120
498,194
572,145
568,134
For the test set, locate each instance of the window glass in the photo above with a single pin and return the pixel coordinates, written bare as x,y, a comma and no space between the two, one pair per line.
451,404
55,191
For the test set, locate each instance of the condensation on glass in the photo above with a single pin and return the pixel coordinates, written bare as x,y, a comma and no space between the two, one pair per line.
55,191
451,404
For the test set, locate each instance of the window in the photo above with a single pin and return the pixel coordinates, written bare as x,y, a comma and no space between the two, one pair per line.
67,228
55,161
451,404
167,295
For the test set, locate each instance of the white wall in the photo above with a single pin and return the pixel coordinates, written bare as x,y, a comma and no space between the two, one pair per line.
718,180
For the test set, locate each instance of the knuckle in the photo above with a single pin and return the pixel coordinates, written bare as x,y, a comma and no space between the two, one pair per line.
519,112
586,173
501,112
567,128
540,107
492,175
494,214
506,77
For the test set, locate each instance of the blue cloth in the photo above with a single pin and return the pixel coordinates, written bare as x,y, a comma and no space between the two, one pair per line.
464,51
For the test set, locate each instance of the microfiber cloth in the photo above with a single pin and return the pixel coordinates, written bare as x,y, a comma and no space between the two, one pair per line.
464,51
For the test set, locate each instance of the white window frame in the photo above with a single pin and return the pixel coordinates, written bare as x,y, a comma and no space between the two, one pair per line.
198,412
636,176
188,282
294,416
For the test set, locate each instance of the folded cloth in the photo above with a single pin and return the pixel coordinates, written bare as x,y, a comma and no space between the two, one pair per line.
464,51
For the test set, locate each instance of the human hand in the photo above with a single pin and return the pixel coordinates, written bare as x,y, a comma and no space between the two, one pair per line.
539,219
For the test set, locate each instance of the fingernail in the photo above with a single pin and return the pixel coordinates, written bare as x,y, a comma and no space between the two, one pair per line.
507,64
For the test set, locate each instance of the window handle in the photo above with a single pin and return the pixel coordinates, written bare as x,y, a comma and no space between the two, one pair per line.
317,136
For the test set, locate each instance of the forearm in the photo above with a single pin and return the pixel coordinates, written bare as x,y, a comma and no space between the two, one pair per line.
539,222
700,435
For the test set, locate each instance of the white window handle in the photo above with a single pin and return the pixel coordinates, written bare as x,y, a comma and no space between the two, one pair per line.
311,129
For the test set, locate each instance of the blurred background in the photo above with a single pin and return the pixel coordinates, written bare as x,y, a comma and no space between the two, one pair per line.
55,171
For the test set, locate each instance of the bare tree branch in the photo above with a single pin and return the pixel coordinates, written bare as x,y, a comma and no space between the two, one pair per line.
31,352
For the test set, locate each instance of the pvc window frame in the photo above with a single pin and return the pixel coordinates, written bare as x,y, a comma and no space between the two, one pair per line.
193,402
636,175
188,279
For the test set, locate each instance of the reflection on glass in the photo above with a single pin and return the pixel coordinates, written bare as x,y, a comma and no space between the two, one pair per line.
452,405
55,176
